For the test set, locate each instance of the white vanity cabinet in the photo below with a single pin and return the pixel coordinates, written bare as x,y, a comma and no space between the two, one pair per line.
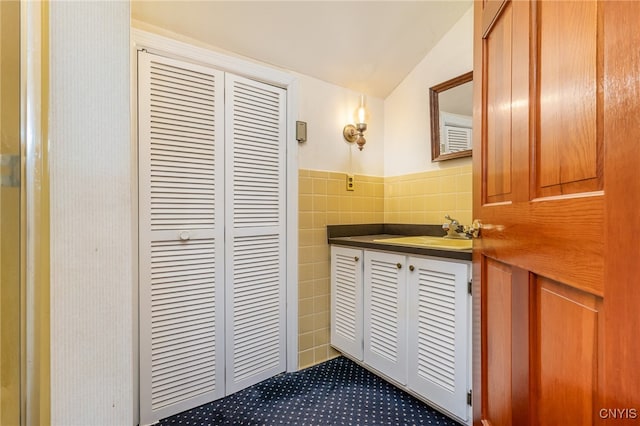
408,318
346,300
385,314
439,349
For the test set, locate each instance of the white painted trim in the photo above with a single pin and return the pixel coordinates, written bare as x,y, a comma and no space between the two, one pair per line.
180,50
176,49
292,227
31,147
135,299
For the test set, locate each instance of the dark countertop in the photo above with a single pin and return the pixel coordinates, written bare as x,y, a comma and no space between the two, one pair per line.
363,236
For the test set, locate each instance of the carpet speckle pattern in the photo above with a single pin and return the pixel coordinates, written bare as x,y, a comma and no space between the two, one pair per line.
336,392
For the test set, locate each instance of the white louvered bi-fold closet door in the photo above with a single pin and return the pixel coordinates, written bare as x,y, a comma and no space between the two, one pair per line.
255,231
181,232
438,306
385,325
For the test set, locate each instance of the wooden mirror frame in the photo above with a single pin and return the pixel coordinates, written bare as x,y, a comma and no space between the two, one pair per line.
435,117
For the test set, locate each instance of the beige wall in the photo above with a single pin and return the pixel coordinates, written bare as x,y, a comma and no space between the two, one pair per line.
407,128
420,198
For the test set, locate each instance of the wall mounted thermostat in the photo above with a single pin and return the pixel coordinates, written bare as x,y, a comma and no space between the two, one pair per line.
301,131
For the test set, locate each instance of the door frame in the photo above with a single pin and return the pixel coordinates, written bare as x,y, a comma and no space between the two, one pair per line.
186,49
35,396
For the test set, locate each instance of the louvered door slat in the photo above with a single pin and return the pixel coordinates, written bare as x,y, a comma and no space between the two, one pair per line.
255,217
257,113
439,332
385,333
180,87
181,159
257,334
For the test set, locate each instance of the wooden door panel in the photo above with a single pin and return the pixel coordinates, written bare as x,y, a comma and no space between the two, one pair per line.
497,47
568,324
505,105
569,142
490,11
497,331
558,238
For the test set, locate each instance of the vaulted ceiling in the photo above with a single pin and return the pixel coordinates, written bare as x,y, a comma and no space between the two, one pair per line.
367,46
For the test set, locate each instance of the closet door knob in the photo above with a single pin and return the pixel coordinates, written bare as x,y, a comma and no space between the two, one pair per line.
411,268
184,236
398,265
356,258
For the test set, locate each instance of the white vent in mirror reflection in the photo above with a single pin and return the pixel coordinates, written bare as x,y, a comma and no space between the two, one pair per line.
455,132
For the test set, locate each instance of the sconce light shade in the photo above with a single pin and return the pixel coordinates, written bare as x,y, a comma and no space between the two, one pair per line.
355,133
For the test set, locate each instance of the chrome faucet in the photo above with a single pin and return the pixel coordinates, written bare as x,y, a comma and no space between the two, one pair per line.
454,229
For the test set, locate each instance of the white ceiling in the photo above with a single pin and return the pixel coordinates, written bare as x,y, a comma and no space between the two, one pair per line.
367,46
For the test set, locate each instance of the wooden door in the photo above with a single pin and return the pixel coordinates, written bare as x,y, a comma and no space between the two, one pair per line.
554,163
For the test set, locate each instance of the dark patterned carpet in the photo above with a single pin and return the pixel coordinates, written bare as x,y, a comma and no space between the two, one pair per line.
336,392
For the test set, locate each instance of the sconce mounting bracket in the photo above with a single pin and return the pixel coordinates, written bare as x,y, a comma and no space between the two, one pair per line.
350,133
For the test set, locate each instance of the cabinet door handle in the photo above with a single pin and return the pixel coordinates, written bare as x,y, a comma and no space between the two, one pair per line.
398,265
411,268
356,258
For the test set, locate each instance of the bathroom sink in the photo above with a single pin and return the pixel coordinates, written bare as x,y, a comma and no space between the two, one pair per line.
429,242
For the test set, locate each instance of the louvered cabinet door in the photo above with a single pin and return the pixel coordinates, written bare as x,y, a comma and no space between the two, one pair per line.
180,121
385,325
255,231
346,300
438,332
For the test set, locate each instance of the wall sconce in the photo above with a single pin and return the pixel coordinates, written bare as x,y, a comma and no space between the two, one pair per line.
355,133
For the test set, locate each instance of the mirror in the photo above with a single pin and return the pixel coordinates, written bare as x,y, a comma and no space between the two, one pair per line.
451,118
